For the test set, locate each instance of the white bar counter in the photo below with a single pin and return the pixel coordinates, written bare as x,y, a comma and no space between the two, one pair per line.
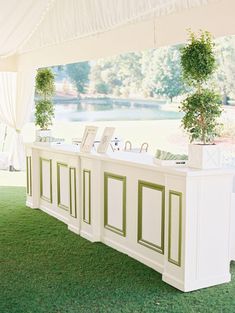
175,220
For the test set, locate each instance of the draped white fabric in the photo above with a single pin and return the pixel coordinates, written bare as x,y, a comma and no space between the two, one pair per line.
18,20
27,25
8,83
16,98
70,19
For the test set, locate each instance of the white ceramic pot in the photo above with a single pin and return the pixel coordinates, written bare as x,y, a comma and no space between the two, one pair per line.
42,135
204,156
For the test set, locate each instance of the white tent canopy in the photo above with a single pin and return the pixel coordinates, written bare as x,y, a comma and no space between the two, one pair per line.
50,32
37,33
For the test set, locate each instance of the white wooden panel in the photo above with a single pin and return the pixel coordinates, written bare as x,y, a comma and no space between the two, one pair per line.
213,230
73,192
46,192
29,175
86,202
151,215
64,185
175,216
115,203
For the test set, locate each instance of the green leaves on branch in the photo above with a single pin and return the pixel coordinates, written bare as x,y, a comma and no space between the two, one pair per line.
44,113
201,112
45,87
198,59
202,108
45,82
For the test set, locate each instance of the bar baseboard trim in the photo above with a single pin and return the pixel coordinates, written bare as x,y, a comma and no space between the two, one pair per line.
147,261
198,284
74,229
87,236
54,214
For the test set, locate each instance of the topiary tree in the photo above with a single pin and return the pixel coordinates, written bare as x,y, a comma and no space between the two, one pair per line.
202,108
45,88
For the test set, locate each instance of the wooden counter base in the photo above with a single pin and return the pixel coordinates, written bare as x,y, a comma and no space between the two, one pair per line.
175,220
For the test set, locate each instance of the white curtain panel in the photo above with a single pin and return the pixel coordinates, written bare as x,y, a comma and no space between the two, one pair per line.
16,99
8,84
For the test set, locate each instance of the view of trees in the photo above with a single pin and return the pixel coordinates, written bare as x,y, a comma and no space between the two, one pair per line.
79,74
151,73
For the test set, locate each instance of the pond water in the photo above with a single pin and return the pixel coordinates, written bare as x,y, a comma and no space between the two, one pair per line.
111,110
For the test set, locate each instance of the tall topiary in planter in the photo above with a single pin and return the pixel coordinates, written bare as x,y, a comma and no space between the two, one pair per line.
202,107
44,113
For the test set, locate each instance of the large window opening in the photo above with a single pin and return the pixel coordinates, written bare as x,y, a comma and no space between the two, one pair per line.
139,93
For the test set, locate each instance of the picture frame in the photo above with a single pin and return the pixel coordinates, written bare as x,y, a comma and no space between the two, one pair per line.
105,139
88,139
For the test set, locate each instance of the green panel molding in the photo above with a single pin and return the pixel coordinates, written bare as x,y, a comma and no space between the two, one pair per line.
85,218
29,175
59,204
73,214
41,180
108,176
170,259
140,239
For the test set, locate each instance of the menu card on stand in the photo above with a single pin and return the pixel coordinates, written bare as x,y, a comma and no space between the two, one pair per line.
88,138
106,139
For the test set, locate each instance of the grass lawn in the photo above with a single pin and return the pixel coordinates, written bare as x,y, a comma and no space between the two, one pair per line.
44,268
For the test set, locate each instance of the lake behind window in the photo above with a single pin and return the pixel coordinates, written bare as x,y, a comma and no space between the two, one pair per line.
113,110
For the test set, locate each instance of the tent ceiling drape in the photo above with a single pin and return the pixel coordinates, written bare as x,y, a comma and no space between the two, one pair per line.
28,25
153,32
30,28
18,20
72,19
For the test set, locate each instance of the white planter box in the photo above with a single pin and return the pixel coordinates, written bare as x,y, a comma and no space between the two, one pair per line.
204,156
40,134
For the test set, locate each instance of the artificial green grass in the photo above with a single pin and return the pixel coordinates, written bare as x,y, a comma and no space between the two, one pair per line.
44,268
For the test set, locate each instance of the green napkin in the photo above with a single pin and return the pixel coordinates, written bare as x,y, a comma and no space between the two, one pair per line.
165,155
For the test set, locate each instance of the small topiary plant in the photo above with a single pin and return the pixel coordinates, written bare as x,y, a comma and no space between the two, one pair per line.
202,108
45,88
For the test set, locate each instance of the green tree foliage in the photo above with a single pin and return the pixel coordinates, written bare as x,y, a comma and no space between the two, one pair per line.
45,88
79,75
157,72
198,59
201,108
44,113
120,75
163,72
45,82
224,77
152,73
201,112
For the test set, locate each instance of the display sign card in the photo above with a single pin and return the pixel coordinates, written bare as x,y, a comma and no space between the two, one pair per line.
88,138
106,139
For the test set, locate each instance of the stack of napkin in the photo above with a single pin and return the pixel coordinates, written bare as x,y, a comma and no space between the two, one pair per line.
165,155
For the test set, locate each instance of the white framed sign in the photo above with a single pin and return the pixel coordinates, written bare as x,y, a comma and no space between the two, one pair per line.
106,139
88,138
